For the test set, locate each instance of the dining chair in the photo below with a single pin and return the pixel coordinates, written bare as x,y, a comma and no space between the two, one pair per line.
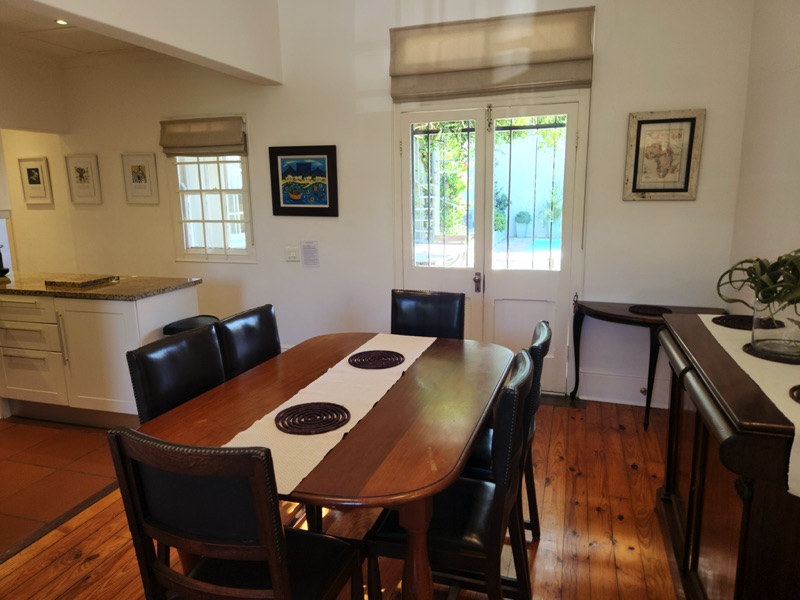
480,460
174,369
247,339
470,518
222,517
433,314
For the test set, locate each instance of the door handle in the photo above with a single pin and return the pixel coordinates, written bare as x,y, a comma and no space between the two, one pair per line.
477,279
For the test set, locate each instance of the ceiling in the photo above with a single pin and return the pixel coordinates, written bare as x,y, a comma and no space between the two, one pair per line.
32,32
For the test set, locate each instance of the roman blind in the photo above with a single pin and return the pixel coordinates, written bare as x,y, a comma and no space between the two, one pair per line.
214,136
534,51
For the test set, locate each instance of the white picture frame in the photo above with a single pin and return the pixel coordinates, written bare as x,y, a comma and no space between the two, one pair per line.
141,179
84,179
35,176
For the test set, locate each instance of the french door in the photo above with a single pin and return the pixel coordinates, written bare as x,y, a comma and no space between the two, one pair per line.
492,205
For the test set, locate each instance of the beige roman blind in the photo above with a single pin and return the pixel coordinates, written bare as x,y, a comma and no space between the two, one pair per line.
535,51
215,136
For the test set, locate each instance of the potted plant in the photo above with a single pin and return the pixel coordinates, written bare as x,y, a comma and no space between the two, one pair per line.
523,218
775,304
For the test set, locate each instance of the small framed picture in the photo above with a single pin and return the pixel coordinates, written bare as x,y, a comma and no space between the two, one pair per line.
35,181
304,181
663,158
141,182
84,179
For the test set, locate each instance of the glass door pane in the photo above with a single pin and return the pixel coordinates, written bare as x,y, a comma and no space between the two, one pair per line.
529,158
443,193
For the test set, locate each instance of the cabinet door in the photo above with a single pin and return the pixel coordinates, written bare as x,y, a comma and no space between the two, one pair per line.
33,375
97,335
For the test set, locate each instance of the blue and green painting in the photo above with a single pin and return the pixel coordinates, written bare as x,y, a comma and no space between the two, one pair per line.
304,180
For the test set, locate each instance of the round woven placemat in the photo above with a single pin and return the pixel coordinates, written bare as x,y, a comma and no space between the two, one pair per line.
376,359
312,418
744,322
649,309
779,358
795,393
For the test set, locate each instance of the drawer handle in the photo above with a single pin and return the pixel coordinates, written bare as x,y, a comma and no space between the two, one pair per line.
8,355
18,328
7,301
62,339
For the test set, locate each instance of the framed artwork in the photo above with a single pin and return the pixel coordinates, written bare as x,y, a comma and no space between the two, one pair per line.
35,181
141,182
84,179
663,159
304,181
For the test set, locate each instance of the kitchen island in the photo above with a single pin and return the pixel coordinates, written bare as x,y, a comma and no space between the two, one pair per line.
63,339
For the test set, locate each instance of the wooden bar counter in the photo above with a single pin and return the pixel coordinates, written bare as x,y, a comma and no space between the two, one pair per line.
735,529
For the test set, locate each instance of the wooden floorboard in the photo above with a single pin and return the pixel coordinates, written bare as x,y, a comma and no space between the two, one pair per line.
596,469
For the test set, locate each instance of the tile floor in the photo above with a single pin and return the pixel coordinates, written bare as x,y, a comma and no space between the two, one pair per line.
46,471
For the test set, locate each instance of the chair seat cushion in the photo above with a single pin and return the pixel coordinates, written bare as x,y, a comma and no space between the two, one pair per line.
460,520
314,561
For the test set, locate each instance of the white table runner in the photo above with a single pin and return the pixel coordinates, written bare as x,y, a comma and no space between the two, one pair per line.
294,456
775,380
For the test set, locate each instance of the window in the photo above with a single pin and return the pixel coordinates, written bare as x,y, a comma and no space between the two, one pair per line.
214,204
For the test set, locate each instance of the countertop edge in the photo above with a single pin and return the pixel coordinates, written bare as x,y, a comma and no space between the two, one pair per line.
106,291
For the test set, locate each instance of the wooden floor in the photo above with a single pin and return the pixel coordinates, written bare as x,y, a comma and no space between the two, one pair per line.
597,472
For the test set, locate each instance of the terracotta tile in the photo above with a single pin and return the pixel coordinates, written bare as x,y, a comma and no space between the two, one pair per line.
19,437
53,495
17,476
14,529
97,462
61,449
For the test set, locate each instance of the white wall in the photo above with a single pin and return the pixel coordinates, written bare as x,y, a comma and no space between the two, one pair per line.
648,56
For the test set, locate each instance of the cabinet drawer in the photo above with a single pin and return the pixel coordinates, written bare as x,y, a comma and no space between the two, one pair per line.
31,336
35,376
37,309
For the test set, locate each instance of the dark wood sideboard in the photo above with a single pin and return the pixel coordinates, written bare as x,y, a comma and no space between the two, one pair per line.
734,528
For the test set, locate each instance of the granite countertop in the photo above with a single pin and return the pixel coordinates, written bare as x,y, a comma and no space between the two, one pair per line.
93,287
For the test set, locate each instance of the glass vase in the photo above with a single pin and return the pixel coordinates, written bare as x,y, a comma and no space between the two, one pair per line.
776,332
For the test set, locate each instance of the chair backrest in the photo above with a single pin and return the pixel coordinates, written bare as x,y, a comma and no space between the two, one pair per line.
508,437
540,346
170,371
247,339
433,314
215,503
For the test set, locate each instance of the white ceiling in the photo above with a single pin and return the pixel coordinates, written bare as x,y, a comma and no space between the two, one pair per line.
32,32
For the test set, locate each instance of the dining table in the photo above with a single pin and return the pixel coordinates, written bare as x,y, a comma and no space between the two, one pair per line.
411,444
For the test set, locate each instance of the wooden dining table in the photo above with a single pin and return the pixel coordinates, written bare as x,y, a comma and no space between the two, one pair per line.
412,444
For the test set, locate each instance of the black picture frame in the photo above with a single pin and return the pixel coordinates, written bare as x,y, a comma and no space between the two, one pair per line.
304,181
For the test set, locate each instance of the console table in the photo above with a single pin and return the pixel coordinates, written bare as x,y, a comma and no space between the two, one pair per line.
640,315
734,528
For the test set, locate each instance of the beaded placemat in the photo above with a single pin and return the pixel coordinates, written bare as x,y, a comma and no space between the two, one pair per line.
795,393
312,418
743,322
779,358
649,309
376,359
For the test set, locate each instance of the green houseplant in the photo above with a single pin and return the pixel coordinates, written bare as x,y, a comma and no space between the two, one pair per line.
775,302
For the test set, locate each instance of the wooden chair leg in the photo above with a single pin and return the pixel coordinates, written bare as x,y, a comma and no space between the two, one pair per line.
357,581
533,506
314,518
373,578
519,550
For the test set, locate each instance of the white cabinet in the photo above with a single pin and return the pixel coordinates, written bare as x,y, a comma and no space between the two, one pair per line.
31,350
71,351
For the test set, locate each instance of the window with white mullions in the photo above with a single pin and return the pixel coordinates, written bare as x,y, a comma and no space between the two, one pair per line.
214,205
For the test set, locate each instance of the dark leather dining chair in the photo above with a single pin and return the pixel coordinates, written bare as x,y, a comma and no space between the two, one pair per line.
470,518
222,517
247,339
432,314
480,461
170,371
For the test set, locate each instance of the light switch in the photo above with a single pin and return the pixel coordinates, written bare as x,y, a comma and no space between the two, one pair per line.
291,254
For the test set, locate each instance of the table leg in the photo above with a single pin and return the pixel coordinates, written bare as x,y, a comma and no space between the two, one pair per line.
417,578
651,372
577,326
